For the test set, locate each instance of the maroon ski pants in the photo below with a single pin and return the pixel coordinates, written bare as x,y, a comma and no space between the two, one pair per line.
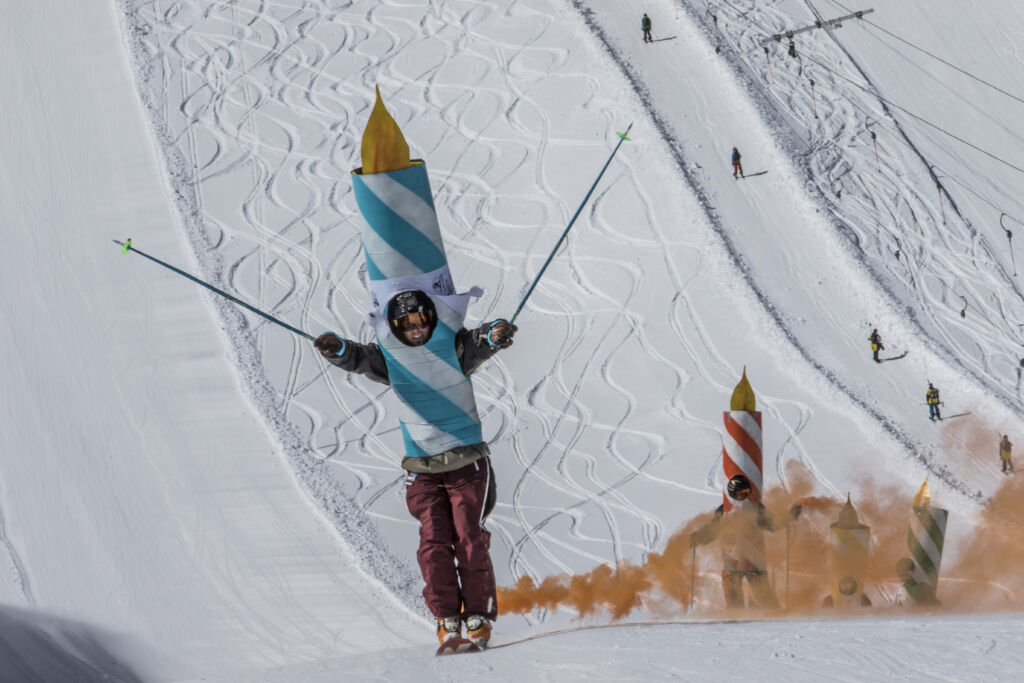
760,589
454,553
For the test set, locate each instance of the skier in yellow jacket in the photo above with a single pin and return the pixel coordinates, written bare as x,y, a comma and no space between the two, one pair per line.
1005,451
932,397
876,344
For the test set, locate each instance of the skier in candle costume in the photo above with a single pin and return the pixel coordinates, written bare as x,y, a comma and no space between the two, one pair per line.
426,354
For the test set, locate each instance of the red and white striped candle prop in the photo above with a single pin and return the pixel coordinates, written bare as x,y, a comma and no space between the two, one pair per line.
741,446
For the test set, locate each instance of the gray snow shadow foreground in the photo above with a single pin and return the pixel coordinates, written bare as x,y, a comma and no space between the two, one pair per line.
35,648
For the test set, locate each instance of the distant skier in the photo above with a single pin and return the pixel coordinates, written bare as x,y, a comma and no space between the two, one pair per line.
645,26
737,164
932,397
449,493
1005,451
876,344
742,544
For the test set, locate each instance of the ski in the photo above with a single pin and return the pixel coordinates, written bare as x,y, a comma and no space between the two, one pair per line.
628,624
456,646
949,417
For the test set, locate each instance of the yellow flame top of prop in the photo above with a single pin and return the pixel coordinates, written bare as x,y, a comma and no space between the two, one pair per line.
848,518
923,497
384,147
743,395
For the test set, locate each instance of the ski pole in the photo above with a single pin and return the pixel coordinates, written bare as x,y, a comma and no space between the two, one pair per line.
622,138
1009,238
787,566
127,247
693,574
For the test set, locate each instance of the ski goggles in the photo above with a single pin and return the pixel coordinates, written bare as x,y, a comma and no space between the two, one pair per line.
413,321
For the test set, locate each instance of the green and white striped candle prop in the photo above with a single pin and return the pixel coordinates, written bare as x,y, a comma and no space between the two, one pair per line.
925,540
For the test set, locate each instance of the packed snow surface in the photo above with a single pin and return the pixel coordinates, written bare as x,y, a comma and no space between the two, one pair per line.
189,492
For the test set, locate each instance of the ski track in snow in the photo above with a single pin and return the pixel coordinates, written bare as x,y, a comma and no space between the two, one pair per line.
259,108
15,571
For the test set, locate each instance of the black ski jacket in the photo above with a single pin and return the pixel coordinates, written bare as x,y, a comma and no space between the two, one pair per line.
471,347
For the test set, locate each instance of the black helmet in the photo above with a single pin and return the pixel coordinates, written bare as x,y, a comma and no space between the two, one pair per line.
409,303
737,484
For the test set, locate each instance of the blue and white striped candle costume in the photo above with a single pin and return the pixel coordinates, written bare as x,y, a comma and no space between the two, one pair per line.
404,251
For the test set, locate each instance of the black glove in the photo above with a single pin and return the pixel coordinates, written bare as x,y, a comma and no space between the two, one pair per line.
500,334
329,345
795,511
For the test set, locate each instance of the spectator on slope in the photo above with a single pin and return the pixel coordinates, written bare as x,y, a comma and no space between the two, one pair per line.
1005,451
645,26
932,397
737,164
876,344
449,493
741,534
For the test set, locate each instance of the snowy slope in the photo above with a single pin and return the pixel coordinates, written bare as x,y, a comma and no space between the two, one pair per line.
141,492
233,506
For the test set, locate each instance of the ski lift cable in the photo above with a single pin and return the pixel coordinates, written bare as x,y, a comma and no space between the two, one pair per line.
956,180
868,116
974,192
742,15
937,169
915,116
940,59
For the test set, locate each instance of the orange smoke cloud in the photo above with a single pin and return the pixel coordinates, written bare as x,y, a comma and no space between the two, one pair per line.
987,573
983,575
620,590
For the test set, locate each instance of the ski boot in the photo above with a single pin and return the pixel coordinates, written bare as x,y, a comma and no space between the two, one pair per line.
448,628
478,630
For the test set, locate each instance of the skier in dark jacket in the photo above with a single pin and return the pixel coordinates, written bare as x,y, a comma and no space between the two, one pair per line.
742,544
876,344
645,26
737,165
449,493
